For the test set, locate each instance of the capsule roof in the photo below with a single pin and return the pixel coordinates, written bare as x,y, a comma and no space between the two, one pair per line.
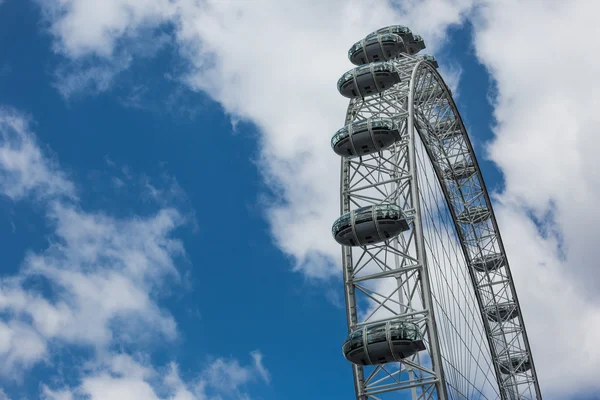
397,29
431,59
413,43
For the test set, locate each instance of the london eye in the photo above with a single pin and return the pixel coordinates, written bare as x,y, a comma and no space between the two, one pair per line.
431,306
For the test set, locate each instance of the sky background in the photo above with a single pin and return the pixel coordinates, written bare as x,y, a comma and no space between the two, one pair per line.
167,188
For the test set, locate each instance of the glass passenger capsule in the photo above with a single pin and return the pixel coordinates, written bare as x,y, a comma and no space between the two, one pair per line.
517,364
489,262
430,93
459,170
399,30
502,312
447,129
383,343
368,80
414,43
380,47
368,225
431,60
365,137
473,215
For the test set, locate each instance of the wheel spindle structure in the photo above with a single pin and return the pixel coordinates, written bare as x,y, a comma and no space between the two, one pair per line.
430,301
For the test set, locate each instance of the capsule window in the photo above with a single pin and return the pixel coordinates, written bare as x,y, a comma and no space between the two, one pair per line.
356,343
346,347
362,219
376,334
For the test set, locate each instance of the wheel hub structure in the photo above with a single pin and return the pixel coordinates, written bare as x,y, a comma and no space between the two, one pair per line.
431,305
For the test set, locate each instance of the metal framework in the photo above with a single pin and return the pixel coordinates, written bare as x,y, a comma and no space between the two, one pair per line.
449,272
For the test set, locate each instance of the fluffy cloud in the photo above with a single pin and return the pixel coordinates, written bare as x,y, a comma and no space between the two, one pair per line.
24,170
281,76
101,278
102,273
124,377
3,395
547,116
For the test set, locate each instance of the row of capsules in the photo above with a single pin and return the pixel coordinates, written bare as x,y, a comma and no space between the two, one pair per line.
388,341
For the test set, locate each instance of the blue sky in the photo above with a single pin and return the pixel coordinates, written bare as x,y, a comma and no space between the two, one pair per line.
214,222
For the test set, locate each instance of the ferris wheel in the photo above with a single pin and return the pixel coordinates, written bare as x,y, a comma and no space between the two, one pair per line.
431,305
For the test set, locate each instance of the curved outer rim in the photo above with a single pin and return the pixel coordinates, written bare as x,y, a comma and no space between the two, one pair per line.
492,218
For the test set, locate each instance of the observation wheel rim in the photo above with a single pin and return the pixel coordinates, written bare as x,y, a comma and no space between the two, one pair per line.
423,65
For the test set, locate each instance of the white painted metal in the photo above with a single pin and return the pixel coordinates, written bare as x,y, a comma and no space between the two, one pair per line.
391,280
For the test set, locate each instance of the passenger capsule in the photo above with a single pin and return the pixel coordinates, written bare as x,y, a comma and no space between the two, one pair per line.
368,80
517,364
473,215
489,262
502,312
402,31
383,343
414,43
368,225
427,94
431,60
447,129
380,47
458,171
365,137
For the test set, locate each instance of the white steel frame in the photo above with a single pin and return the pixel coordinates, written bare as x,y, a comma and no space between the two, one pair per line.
422,104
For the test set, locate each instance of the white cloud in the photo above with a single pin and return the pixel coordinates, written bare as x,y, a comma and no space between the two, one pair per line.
24,170
123,377
103,37
260,368
80,27
99,77
103,274
3,395
546,140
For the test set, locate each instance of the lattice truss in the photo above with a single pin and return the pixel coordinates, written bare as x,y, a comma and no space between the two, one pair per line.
471,336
